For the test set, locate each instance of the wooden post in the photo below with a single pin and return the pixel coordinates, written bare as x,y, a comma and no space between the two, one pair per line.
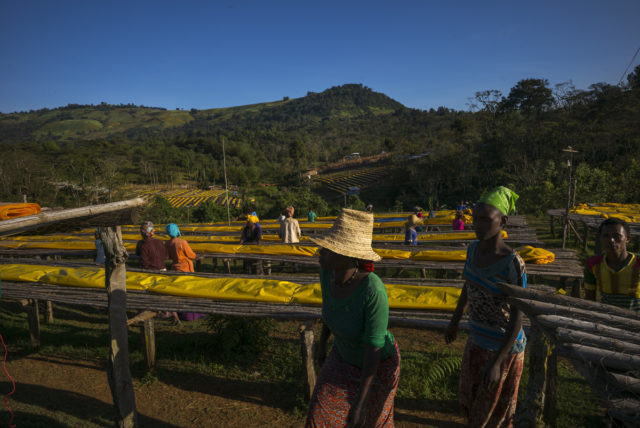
147,332
586,236
551,392
551,228
530,411
49,312
306,347
34,322
118,369
565,225
576,288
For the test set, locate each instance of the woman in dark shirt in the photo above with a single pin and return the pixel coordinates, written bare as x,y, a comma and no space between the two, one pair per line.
152,251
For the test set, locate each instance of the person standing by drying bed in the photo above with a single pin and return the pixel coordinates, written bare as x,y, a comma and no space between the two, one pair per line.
493,358
152,251
251,235
182,256
358,380
411,231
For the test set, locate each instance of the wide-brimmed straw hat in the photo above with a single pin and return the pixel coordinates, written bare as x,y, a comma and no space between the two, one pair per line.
350,236
413,220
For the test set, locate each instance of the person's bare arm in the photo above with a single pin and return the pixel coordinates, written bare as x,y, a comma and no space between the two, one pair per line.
452,330
492,374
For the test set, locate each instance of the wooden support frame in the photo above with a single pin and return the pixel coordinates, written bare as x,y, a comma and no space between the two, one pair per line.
33,317
118,368
530,412
49,312
148,335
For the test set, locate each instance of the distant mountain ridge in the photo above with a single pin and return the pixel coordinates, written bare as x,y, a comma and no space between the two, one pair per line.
76,122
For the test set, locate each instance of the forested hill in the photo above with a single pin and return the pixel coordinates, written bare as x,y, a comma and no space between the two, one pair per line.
87,122
514,139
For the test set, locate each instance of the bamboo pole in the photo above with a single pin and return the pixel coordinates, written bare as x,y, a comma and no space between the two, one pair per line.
566,335
569,301
597,377
118,369
535,307
603,357
555,321
624,383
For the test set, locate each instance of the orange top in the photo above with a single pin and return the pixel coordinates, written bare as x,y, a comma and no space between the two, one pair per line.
181,253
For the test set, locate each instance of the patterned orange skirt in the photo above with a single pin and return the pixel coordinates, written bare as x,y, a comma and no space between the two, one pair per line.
337,387
482,406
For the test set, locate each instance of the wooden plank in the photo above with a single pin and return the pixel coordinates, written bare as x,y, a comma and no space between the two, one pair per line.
538,308
554,321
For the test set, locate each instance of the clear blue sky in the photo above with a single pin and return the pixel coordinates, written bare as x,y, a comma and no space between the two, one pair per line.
205,54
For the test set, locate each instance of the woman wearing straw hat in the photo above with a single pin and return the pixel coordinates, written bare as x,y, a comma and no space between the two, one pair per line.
358,381
410,231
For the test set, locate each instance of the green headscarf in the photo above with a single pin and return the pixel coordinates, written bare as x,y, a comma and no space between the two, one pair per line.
502,198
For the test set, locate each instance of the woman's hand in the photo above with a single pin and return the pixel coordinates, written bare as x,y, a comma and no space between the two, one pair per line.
451,333
355,418
492,374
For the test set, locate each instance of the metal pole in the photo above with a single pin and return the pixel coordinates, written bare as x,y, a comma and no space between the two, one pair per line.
226,187
565,226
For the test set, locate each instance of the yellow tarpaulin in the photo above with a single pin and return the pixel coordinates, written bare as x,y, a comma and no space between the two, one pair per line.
401,296
440,256
627,212
529,254
453,236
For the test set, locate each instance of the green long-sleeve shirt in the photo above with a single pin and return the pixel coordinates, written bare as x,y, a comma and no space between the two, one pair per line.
359,319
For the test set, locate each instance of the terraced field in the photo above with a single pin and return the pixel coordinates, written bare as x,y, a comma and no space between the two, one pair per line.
341,181
194,197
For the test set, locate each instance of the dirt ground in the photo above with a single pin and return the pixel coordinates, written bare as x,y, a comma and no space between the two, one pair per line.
54,391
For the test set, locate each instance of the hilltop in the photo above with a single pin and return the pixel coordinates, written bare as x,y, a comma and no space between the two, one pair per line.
76,122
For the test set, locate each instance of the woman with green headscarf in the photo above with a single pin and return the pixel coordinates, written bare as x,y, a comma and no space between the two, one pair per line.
494,356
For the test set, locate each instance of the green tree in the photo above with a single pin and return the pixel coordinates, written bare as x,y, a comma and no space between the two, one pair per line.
530,96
